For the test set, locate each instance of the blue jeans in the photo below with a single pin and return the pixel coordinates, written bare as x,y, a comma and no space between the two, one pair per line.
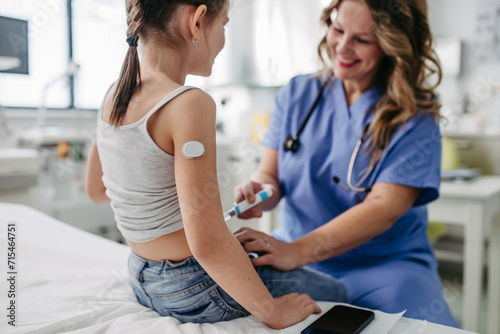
184,290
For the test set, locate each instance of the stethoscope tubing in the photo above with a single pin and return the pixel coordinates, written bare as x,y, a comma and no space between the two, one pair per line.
354,154
292,144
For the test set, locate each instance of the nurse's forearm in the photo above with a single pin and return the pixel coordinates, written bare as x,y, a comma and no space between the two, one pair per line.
267,172
382,207
344,233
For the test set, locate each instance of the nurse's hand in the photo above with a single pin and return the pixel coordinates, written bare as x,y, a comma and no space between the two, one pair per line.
272,252
247,190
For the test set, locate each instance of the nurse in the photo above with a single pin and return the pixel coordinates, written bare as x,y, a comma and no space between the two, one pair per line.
355,152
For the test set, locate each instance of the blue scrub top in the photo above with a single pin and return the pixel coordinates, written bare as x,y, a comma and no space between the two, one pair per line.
312,198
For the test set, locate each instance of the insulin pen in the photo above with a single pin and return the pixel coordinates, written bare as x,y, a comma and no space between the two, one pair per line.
244,205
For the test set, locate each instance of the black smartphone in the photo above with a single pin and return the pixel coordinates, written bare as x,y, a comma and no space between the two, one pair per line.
341,319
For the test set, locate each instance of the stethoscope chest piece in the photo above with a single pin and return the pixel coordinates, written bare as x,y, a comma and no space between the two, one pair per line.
291,143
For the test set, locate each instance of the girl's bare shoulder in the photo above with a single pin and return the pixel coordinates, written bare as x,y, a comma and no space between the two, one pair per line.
192,105
195,99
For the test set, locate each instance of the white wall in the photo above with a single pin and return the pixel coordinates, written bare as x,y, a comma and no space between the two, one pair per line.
459,18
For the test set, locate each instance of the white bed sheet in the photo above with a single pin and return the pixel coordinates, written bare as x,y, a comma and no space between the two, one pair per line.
72,281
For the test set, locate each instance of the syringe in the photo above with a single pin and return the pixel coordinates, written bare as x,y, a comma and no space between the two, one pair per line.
244,205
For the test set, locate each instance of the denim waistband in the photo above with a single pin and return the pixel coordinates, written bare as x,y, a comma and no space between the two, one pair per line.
190,261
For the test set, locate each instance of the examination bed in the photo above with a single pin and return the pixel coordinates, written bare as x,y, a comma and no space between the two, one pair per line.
61,279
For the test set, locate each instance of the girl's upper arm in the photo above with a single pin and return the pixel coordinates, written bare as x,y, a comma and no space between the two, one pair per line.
94,185
193,119
93,181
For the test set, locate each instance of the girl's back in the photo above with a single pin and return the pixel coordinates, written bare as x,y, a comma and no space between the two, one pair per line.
137,160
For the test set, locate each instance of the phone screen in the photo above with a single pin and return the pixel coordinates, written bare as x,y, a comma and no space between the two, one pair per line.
341,319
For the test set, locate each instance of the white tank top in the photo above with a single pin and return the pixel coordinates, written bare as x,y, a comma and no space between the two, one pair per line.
139,177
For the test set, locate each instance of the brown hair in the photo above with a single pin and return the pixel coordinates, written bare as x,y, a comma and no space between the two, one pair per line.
145,18
404,36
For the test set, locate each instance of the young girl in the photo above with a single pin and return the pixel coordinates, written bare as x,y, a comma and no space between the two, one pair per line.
184,262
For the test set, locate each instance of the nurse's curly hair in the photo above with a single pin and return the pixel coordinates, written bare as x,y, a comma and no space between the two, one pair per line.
410,70
152,19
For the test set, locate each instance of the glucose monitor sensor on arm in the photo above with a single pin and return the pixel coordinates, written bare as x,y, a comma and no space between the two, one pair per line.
193,150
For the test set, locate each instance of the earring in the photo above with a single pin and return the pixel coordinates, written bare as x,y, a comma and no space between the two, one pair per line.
196,41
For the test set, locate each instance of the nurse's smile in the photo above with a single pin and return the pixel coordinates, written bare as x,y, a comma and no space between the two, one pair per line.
347,63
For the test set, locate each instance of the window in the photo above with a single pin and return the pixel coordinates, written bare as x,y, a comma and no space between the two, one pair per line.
99,47
48,55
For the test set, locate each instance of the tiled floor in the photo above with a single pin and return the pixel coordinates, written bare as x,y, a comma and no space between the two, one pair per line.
452,279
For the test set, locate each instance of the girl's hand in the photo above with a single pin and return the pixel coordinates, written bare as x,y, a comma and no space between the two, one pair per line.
288,310
246,191
272,252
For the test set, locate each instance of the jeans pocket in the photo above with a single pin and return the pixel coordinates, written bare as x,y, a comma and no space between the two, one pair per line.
209,307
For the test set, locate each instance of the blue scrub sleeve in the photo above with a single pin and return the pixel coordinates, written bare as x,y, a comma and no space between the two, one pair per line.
414,158
273,137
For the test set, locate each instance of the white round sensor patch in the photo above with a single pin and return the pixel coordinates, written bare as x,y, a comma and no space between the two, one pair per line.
193,149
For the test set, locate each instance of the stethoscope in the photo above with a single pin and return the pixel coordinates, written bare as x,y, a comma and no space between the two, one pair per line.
292,144
369,169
